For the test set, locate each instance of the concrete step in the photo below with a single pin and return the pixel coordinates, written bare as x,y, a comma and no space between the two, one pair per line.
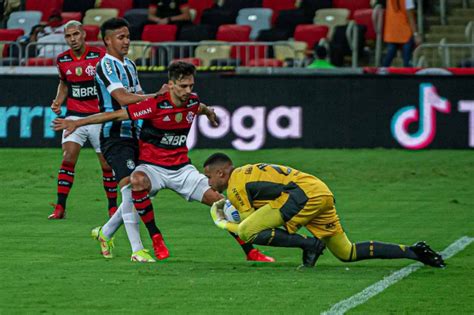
446,29
461,12
451,20
450,38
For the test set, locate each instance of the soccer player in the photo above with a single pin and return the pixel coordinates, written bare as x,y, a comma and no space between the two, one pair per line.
76,68
163,154
270,196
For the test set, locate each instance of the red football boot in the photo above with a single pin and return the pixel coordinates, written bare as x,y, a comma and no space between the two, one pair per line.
58,213
161,252
256,255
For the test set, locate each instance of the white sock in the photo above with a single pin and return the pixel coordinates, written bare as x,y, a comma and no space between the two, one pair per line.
131,220
114,223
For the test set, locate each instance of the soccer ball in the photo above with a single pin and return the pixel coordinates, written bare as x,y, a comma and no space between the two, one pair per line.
231,214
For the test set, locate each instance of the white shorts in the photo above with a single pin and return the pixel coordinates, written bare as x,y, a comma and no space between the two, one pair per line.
84,133
187,181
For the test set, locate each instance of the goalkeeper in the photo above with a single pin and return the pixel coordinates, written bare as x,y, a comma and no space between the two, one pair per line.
270,196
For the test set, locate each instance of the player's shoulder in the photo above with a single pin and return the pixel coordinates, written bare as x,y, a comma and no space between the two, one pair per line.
65,56
193,100
106,65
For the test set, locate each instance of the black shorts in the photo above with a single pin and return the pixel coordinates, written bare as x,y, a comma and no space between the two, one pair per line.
121,154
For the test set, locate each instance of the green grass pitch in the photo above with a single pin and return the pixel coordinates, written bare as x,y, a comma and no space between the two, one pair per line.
386,195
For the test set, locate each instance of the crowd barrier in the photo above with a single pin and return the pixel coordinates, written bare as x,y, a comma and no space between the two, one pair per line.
283,111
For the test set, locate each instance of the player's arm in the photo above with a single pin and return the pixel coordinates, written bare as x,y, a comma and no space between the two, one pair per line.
61,96
123,97
71,125
209,112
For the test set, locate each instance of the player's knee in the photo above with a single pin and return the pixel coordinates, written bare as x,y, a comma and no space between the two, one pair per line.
245,232
139,181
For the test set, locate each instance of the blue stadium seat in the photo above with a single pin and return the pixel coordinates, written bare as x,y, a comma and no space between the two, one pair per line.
257,18
24,20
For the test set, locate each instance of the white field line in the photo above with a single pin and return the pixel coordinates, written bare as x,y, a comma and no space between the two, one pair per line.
371,291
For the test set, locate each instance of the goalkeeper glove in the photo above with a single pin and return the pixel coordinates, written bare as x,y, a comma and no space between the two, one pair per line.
217,214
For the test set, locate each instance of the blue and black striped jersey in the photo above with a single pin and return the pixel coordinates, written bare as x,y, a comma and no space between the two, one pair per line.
111,74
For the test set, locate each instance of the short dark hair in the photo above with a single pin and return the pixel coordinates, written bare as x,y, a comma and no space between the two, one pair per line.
217,158
179,69
112,25
321,52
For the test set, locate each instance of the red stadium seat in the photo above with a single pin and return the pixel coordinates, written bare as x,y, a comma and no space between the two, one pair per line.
233,33
247,53
277,6
265,62
310,34
159,33
352,5
45,7
9,35
40,62
92,32
365,17
69,16
195,61
199,6
121,5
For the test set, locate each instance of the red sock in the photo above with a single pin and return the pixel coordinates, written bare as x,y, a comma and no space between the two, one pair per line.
142,202
65,180
110,186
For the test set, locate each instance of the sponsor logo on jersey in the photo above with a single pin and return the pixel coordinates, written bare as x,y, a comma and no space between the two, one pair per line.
237,196
190,117
92,55
192,102
130,164
174,140
78,71
141,113
90,70
165,105
68,72
65,59
108,67
178,117
80,92
167,118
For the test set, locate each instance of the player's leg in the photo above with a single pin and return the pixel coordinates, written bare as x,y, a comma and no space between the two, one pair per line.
141,182
197,189
108,178
71,146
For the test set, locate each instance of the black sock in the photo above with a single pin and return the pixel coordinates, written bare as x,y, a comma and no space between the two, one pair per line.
281,238
371,250
246,247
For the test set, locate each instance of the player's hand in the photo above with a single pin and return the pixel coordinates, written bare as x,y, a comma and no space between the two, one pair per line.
64,124
211,115
56,107
164,88
217,214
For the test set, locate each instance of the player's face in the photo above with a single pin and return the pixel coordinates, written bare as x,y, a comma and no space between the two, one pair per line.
75,37
217,178
118,42
182,89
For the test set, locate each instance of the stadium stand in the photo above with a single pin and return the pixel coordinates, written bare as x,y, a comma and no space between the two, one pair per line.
92,32
99,16
352,5
159,33
47,8
197,7
311,34
208,51
24,20
69,16
137,18
233,33
331,18
257,18
78,6
121,5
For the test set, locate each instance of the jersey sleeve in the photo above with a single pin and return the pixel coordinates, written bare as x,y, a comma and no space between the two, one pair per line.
62,75
108,75
237,195
138,87
143,110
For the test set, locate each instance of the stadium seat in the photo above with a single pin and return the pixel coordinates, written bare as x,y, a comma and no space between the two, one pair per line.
289,19
233,33
8,35
290,50
310,34
24,20
218,16
139,50
159,33
331,18
309,7
198,6
351,5
141,4
99,16
69,16
265,62
274,35
92,32
249,52
40,62
278,5
365,17
47,8
137,19
197,33
194,61
78,6
210,50
121,5
257,18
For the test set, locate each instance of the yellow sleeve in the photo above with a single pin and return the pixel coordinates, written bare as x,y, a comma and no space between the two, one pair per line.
232,227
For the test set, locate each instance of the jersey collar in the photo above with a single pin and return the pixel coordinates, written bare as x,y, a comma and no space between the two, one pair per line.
81,57
116,59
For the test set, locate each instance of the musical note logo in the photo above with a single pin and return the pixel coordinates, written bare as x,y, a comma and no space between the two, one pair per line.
430,102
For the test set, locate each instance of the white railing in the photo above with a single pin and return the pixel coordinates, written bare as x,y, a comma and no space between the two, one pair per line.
443,54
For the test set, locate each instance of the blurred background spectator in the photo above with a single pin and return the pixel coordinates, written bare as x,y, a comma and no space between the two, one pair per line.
320,59
169,12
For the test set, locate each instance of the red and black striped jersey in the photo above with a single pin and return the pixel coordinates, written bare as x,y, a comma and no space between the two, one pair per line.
165,130
78,73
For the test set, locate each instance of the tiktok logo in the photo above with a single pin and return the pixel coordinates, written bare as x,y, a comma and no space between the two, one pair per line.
430,102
